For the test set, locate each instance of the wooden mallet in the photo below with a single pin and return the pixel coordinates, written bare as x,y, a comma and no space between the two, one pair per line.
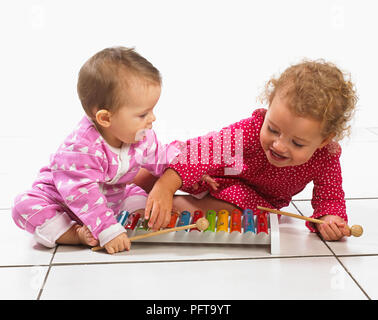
202,224
355,230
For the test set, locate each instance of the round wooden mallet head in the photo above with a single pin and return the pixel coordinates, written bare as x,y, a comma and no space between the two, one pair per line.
356,230
202,224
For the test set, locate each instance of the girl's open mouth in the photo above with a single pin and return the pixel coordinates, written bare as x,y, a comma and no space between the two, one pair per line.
277,156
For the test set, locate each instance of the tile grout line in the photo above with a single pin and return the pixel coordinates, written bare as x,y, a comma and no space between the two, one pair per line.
59,264
356,198
339,261
47,274
23,265
292,202
346,270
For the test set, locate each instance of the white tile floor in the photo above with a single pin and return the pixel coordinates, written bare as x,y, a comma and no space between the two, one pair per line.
306,268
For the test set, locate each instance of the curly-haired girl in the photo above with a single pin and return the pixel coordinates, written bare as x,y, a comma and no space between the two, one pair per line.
271,156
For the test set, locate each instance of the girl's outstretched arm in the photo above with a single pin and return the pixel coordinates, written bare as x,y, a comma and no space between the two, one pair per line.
145,180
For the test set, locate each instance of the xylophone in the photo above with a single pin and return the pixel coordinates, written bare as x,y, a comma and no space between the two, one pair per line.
236,227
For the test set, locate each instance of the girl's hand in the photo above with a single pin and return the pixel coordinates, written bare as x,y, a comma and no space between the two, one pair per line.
334,229
209,180
118,244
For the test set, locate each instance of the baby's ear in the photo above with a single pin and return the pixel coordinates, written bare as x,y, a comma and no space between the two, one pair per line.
103,117
327,140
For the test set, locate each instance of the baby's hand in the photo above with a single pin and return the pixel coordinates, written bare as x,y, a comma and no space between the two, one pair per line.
118,244
160,199
334,229
158,208
209,180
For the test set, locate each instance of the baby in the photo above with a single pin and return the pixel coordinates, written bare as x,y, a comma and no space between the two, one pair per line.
76,198
271,156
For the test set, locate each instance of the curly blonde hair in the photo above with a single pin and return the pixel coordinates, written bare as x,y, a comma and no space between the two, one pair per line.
319,90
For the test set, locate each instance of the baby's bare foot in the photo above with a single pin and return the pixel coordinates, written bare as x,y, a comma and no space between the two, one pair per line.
78,234
85,236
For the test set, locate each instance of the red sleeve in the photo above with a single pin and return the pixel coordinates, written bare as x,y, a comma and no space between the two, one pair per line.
218,150
328,195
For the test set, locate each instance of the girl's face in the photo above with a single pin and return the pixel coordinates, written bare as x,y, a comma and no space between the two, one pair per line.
287,139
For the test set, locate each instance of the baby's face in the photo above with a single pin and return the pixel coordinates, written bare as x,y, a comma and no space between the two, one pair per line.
287,139
136,113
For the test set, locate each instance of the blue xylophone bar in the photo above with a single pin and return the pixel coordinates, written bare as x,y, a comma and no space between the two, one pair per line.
248,223
122,217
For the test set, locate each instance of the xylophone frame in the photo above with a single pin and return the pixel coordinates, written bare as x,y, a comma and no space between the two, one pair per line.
221,237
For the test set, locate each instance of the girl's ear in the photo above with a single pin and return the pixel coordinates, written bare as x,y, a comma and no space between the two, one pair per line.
103,118
327,140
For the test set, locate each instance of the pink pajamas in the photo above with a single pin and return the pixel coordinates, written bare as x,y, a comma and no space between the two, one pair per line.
88,180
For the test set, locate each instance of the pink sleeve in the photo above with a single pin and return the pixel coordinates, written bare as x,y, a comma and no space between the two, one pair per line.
328,194
77,172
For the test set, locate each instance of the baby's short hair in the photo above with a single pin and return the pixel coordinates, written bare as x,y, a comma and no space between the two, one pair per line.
99,78
319,90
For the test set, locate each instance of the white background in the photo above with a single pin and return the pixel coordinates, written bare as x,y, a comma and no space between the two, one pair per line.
214,56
